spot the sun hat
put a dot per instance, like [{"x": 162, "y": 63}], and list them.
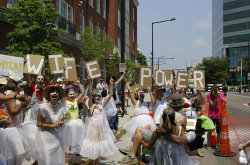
[
  {"x": 176, "y": 100},
  {"x": 3, "y": 80},
  {"x": 46, "y": 92}
]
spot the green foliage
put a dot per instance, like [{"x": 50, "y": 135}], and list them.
[
  {"x": 96, "y": 46},
  {"x": 244, "y": 66},
  {"x": 141, "y": 58},
  {"x": 35, "y": 31},
  {"x": 216, "y": 71},
  {"x": 131, "y": 68}
]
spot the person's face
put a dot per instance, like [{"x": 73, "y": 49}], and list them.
[
  {"x": 40, "y": 81},
  {"x": 141, "y": 96},
  {"x": 189, "y": 93},
  {"x": 54, "y": 97},
  {"x": 215, "y": 91},
  {"x": 71, "y": 94},
  {"x": 97, "y": 100},
  {"x": 159, "y": 94}
]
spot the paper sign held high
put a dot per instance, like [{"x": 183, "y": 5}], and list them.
[
  {"x": 56, "y": 63},
  {"x": 93, "y": 69},
  {"x": 199, "y": 79},
  {"x": 145, "y": 79},
  {"x": 34, "y": 64},
  {"x": 182, "y": 79}
]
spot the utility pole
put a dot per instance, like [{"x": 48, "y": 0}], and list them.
[{"x": 122, "y": 48}]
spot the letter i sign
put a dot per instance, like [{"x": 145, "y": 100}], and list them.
[{"x": 122, "y": 67}]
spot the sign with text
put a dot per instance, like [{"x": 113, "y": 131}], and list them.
[
  {"x": 122, "y": 67},
  {"x": 56, "y": 63},
  {"x": 11, "y": 63},
  {"x": 169, "y": 79},
  {"x": 199, "y": 79},
  {"x": 70, "y": 70},
  {"x": 34, "y": 64},
  {"x": 159, "y": 77},
  {"x": 182, "y": 79},
  {"x": 145, "y": 79},
  {"x": 93, "y": 69}
]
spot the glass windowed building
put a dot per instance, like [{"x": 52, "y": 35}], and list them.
[{"x": 231, "y": 29}]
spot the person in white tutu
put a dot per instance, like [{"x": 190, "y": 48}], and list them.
[
  {"x": 73, "y": 129},
  {"x": 99, "y": 139},
  {"x": 141, "y": 112},
  {"x": 49, "y": 138},
  {"x": 167, "y": 151}
]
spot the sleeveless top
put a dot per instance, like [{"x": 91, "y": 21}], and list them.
[
  {"x": 141, "y": 108},
  {"x": 72, "y": 112}
]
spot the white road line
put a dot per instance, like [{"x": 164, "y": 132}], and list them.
[{"x": 239, "y": 95}]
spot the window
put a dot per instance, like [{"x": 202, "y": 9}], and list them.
[
  {"x": 70, "y": 13},
  {"x": 119, "y": 18},
  {"x": 91, "y": 3},
  {"x": 81, "y": 22},
  {"x": 98, "y": 30},
  {"x": 98, "y": 6},
  {"x": 65, "y": 10},
  {"x": 104, "y": 9},
  {"x": 90, "y": 22},
  {"x": 119, "y": 46},
  {"x": 11, "y": 2}
]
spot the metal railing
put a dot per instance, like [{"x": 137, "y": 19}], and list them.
[{"x": 63, "y": 23}]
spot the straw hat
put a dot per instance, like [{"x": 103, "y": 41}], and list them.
[
  {"x": 176, "y": 101},
  {"x": 3, "y": 80},
  {"x": 60, "y": 90}
]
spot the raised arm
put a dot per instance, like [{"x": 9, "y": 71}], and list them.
[
  {"x": 82, "y": 90},
  {"x": 151, "y": 96},
  {"x": 133, "y": 100},
  {"x": 28, "y": 79},
  {"x": 120, "y": 79},
  {"x": 90, "y": 92},
  {"x": 11, "y": 106},
  {"x": 105, "y": 102}
]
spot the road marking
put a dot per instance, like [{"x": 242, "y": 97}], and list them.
[{"x": 239, "y": 95}]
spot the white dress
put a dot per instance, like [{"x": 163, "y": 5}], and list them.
[
  {"x": 141, "y": 118},
  {"x": 99, "y": 140},
  {"x": 110, "y": 109},
  {"x": 189, "y": 109},
  {"x": 49, "y": 140},
  {"x": 159, "y": 112},
  {"x": 170, "y": 153},
  {"x": 158, "y": 103}
]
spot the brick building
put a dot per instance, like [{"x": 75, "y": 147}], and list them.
[{"x": 75, "y": 15}]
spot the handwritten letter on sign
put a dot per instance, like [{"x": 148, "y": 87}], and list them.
[
  {"x": 11, "y": 63},
  {"x": 169, "y": 77},
  {"x": 159, "y": 77},
  {"x": 145, "y": 76},
  {"x": 70, "y": 71},
  {"x": 182, "y": 79},
  {"x": 199, "y": 79},
  {"x": 93, "y": 69},
  {"x": 56, "y": 63},
  {"x": 34, "y": 64}
]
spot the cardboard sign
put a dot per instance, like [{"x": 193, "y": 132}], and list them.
[
  {"x": 70, "y": 71},
  {"x": 34, "y": 64},
  {"x": 182, "y": 79},
  {"x": 169, "y": 79},
  {"x": 159, "y": 77},
  {"x": 199, "y": 79},
  {"x": 145, "y": 79},
  {"x": 56, "y": 63},
  {"x": 93, "y": 69},
  {"x": 11, "y": 63}
]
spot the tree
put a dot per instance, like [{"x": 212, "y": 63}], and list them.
[
  {"x": 35, "y": 31},
  {"x": 141, "y": 58},
  {"x": 244, "y": 66},
  {"x": 96, "y": 46},
  {"x": 216, "y": 69}
]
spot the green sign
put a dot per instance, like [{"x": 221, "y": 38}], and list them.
[
  {"x": 241, "y": 79},
  {"x": 201, "y": 67}
]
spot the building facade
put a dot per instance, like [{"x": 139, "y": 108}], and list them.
[
  {"x": 76, "y": 15},
  {"x": 235, "y": 32}
]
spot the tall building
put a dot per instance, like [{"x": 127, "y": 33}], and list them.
[
  {"x": 75, "y": 15},
  {"x": 231, "y": 22}
]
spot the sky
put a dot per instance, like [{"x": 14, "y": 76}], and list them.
[{"x": 187, "y": 38}]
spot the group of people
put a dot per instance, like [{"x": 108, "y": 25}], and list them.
[{"x": 43, "y": 123}]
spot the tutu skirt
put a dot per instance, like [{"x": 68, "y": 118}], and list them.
[
  {"x": 50, "y": 147},
  {"x": 73, "y": 134},
  {"x": 141, "y": 121},
  {"x": 99, "y": 140}
]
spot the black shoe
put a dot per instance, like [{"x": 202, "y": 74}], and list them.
[
  {"x": 144, "y": 160},
  {"x": 122, "y": 114}
]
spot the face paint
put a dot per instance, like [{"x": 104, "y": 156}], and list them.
[
  {"x": 71, "y": 94},
  {"x": 54, "y": 95}
]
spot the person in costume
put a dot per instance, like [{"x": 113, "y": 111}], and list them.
[
  {"x": 73, "y": 129},
  {"x": 50, "y": 117},
  {"x": 141, "y": 112},
  {"x": 99, "y": 140},
  {"x": 167, "y": 151}
]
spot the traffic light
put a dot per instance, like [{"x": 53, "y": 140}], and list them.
[{"x": 238, "y": 68}]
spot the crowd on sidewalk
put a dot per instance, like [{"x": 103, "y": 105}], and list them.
[{"x": 45, "y": 121}]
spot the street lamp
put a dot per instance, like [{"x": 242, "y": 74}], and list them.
[{"x": 172, "y": 19}]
